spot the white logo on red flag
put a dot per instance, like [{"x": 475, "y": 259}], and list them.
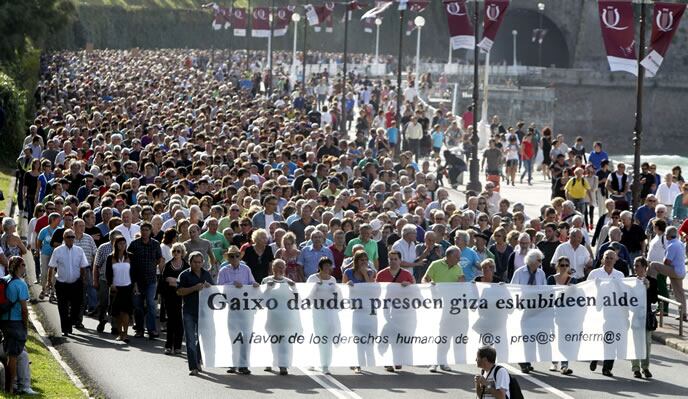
[
  {"x": 611, "y": 18},
  {"x": 667, "y": 17},
  {"x": 494, "y": 14},
  {"x": 616, "y": 17}
]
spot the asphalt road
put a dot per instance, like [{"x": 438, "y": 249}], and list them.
[{"x": 141, "y": 370}]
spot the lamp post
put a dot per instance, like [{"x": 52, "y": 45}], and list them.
[
  {"x": 295, "y": 18},
  {"x": 474, "y": 167},
  {"x": 378, "y": 22},
  {"x": 541, "y": 8},
  {"x": 344, "y": 75},
  {"x": 419, "y": 21},
  {"x": 400, "y": 64},
  {"x": 272, "y": 31},
  {"x": 514, "y": 33},
  {"x": 638, "y": 128},
  {"x": 303, "y": 71}
]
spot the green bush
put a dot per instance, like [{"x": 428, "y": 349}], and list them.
[{"x": 12, "y": 102}]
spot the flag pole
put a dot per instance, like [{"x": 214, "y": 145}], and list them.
[
  {"x": 474, "y": 167},
  {"x": 248, "y": 23},
  {"x": 400, "y": 63},
  {"x": 346, "y": 40},
  {"x": 638, "y": 129},
  {"x": 303, "y": 70},
  {"x": 271, "y": 15}
]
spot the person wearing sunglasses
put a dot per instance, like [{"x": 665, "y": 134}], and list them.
[
  {"x": 68, "y": 265},
  {"x": 563, "y": 276}
]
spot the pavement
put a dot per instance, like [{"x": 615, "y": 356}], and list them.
[{"x": 112, "y": 369}]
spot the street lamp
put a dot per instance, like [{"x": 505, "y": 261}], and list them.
[
  {"x": 378, "y": 22},
  {"x": 474, "y": 166},
  {"x": 541, "y": 8},
  {"x": 269, "y": 86},
  {"x": 419, "y": 21},
  {"x": 295, "y": 18},
  {"x": 515, "y": 34}
]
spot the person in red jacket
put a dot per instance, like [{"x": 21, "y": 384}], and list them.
[{"x": 527, "y": 156}]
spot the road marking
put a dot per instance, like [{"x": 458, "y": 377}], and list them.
[
  {"x": 333, "y": 386},
  {"x": 544, "y": 385}
]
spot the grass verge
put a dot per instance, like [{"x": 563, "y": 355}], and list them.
[
  {"x": 47, "y": 377},
  {"x": 5, "y": 180}
]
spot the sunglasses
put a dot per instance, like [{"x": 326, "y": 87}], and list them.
[
  {"x": 564, "y": 265},
  {"x": 69, "y": 237},
  {"x": 232, "y": 256},
  {"x": 244, "y": 225},
  {"x": 177, "y": 251}
]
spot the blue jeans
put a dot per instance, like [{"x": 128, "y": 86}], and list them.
[
  {"x": 528, "y": 169},
  {"x": 193, "y": 349},
  {"x": 147, "y": 294}
]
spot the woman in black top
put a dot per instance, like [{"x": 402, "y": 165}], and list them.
[
  {"x": 259, "y": 256},
  {"x": 31, "y": 187},
  {"x": 172, "y": 301}
]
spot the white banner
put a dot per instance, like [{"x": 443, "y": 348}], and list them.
[{"x": 385, "y": 324}]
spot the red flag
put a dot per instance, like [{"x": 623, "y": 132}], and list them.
[
  {"x": 665, "y": 20},
  {"x": 418, "y": 5},
  {"x": 616, "y": 21},
  {"x": 261, "y": 22},
  {"x": 318, "y": 15},
  {"x": 282, "y": 20},
  {"x": 239, "y": 21},
  {"x": 494, "y": 15},
  {"x": 460, "y": 29},
  {"x": 221, "y": 16}
]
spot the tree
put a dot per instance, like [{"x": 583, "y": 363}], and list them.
[{"x": 27, "y": 23}]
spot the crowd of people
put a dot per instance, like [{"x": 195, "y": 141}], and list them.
[{"x": 147, "y": 177}]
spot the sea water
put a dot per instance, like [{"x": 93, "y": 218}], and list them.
[{"x": 664, "y": 162}]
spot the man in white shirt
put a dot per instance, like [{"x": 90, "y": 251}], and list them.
[
  {"x": 606, "y": 272},
  {"x": 406, "y": 245},
  {"x": 530, "y": 274},
  {"x": 68, "y": 264},
  {"x": 577, "y": 253},
  {"x": 667, "y": 192},
  {"x": 129, "y": 230}
]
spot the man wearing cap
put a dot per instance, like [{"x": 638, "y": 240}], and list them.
[{"x": 332, "y": 189}]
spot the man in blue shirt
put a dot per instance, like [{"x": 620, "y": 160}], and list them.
[
  {"x": 311, "y": 254},
  {"x": 15, "y": 327},
  {"x": 646, "y": 212},
  {"x": 674, "y": 266}
]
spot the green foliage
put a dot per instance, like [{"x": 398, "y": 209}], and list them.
[
  {"x": 27, "y": 22},
  {"x": 12, "y": 102}
]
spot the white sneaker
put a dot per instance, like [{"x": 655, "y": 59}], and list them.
[
  {"x": 444, "y": 367},
  {"x": 554, "y": 367},
  {"x": 28, "y": 391},
  {"x": 433, "y": 368}
]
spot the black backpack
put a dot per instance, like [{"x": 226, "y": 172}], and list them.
[{"x": 514, "y": 386}]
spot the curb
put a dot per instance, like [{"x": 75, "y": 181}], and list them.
[
  {"x": 671, "y": 341},
  {"x": 39, "y": 326}
]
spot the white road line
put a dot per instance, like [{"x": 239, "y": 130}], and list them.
[
  {"x": 333, "y": 386},
  {"x": 544, "y": 385}
]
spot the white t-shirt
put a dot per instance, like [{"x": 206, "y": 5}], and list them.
[
  {"x": 120, "y": 274},
  {"x": 501, "y": 382},
  {"x": 601, "y": 274},
  {"x": 657, "y": 249},
  {"x": 315, "y": 278}
]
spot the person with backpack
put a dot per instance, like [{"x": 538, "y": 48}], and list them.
[
  {"x": 494, "y": 381},
  {"x": 14, "y": 319}
]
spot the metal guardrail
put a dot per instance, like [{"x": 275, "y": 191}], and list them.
[{"x": 680, "y": 312}]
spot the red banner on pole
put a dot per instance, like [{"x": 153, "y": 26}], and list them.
[
  {"x": 665, "y": 21},
  {"x": 460, "y": 29},
  {"x": 494, "y": 15},
  {"x": 239, "y": 21},
  {"x": 282, "y": 20},
  {"x": 616, "y": 21},
  {"x": 261, "y": 22}
]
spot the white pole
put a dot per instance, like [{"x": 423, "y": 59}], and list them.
[
  {"x": 418, "y": 58},
  {"x": 449, "y": 60},
  {"x": 456, "y": 93},
  {"x": 377, "y": 44},
  {"x": 293, "y": 53},
  {"x": 485, "y": 87},
  {"x": 515, "y": 34},
  {"x": 269, "y": 51}
]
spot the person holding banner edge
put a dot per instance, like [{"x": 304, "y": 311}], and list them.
[{"x": 191, "y": 281}]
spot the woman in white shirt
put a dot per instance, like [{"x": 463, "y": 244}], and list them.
[
  {"x": 118, "y": 274},
  {"x": 324, "y": 274}
]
